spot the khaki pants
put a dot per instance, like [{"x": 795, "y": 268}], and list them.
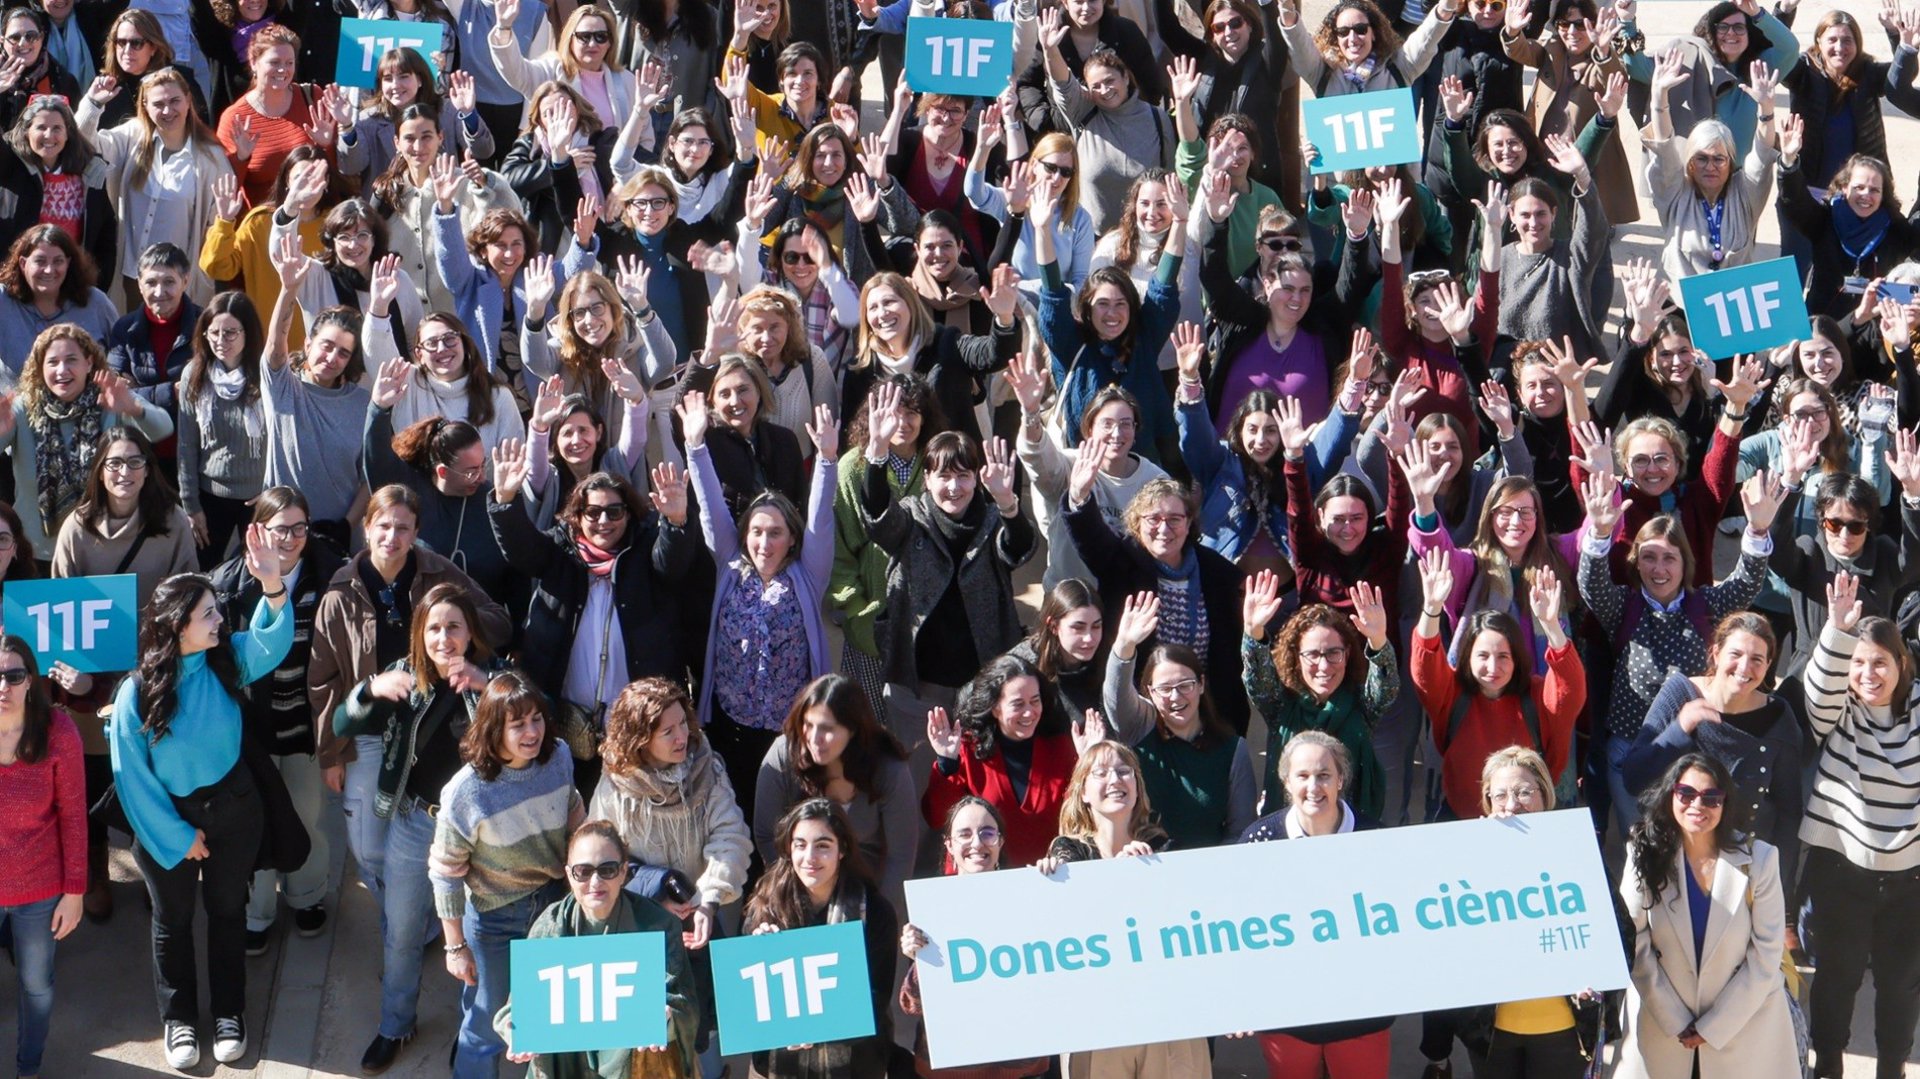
[{"x": 1163, "y": 1060}]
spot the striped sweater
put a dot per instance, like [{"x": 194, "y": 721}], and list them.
[
  {"x": 500, "y": 840},
  {"x": 1862, "y": 804}
]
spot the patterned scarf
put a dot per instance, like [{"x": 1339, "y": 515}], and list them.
[
  {"x": 62, "y": 462},
  {"x": 599, "y": 562}
]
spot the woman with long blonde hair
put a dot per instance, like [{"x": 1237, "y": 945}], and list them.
[
  {"x": 898, "y": 335},
  {"x": 1511, "y": 538}
]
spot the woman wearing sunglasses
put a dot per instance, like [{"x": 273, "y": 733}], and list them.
[
  {"x": 583, "y": 60},
  {"x": 597, "y": 870},
  {"x": 499, "y": 844},
  {"x": 360, "y": 628},
  {"x": 1355, "y": 50},
  {"x": 1708, "y": 997},
  {"x": 1863, "y": 866}
]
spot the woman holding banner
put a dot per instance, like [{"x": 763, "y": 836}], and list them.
[
  {"x": 1708, "y": 998},
  {"x": 820, "y": 878},
  {"x": 1315, "y": 770}
]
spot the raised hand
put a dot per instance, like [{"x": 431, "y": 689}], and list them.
[
  {"x": 1603, "y": 509},
  {"x": 1793, "y": 132},
  {"x": 1545, "y": 598},
  {"x": 669, "y": 494},
  {"x": 1843, "y": 602},
  {"x": 1453, "y": 311},
  {"x": 383, "y": 286},
  {"x": 116, "y": 394},
  {"x": 586, "y": 218},
  {"x": 263, "y": 563},
  {"x": 391, "y": 385},
  {"x": 1088, "y": 731},
  {"x": 1799, "y": 449},
  {"x": 943, "y": 735},
  {"x": 1763, "y": 81},
  {"x": 1614, "y": 97},
  {"x": 1189, "y": 350},
  {"x": 1003, "y": 299},
  {"x": 1493, "y": 212},
  {"x": 289, "y": 260},
  {"x": 1593, "y": 448},
  {"x": 1369, "y": 614},
  {"x": 243, "y": 138},
  {"x": 1086, "y": 466},
  {"x": 1053, "y": 28},
  {"x": 1519, "y": 17},
  {"x": 1360, "y": 355},
  {"x": 1184, "y": 77},
  {"x": 1455, "y": 98},
  {"x": 538, "y": 279},
  {"x": 549, "y": 405},
  {"x": 103, "y": 89},
  {"x": 1425, "y": 476},
  {"x": 1292, "y": 424},
  {"x": 1669, "y": 70},
  {"x": 227, "y": 203},
  {"x": 1139, "y": 620},
  {"x": 1436, "y": 580},
  {"x": 1894, "y": 330},
  {"x": 1497, "y": 405},
  {"x": 846, "y": 118},
  {"x": 1903, "y": 461},
  {"x": 1565, "y": 157},
  {"x": 1393, "y": 203},
  {"x": 510, "y": 465},
  {"x": 626, "y": 385},
  {"x": 444, "y": 176},
  {"x": 825, "y": 433},
  {"x": 1746, "y": 384},
  {"x": 761, "y": 200},
  {"x": 863, "y": 198},
  {"x": 1027, "y": 377},
  {"x": 460, "y": 91},
  {"x": 997, "y": 474},
  {"x": 1261, "y": 603},
  {"x": 1762, "y": 495},
  {"x": 694, "y": 418},
  {"x": 884, "y": 420},
  {"x": 1357, "y": 214}
]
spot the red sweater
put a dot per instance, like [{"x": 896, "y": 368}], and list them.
[
  {"x": 274, "y": 138},
  {"x": 1321, "y": 572},
  {"x": 1033, "y": 821},
  {"x": 1493, "y": 725},
  {"x": 1449, "y": 389},
  {"x": 43, "y": 821}
]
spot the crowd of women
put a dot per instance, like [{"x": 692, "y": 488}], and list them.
[{"x": 595, "y": 462}]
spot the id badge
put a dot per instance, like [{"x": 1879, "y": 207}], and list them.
[{"x": 1854, "y": 285}]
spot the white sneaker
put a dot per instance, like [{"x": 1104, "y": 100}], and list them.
[
  {"x": 183, "y": 1045},
  {"x": 229, "y": 1040}
]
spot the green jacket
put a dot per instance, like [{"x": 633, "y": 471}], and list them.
[
  {"x": 858, "y": 586},
  {"x": 1346, "y": 715}
]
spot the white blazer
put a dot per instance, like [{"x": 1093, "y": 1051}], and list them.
[{"x": 1735, "y": 996}]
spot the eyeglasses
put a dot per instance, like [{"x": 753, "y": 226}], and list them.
[
  {"x": 283, "y": 533},
  {"x": 596, "y": 309},
  {"x": 795, "y": 258},
  {"x": 15, "y": 676},
  {"x": 1816, "y": 413},
  {"x": 1065, "y": 172},
  {"x": 1711, "y": 798},
  {"x": 1114, "y": 426},
  {"x": 1280, "y": 244},
  {"x": 1117, "y": 771},
  {"x": 614, "y": 512},
  {"x": 951, "y": 114},
  {"x": 24, "y": 37},
  {"x": 688, "y": 142},
  {"x": 1353, "y": 31},
  {"x": 470, "y": 474},
  {"x": 1837, "y": 525},
  {"x": 1324, "y": 655},
  {"x": 1570, "y": 24},
  {"x": 446, "y": 342},
  {"x": 582, "y": 872},
  {"x": 1730, "y": 28},
  {"x": 592, "y": 37},
  {"x": 1175, "y": 689},
  {"x": 1642, "y": 461},
  {"x": 6, "y": 541},
  {"x": 124, "y": 464},
  {"x": 1513, "y": 513},
  {"x": 131, "y": 43},
  {"x": 223, "y": 335},
  {"x": 1164, "y": 520},
  {"x": 1379, "y": 389},
  {"x": 1525, "y": 792},
  {"x": 650, "y": 204},
  {"x": 1718, "y": 161},
  {"x": 1488, "y": 5},
  {"x": 988, "y": 836}
]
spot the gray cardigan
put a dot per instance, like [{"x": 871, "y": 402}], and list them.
[{"x": 886, "y": 822}]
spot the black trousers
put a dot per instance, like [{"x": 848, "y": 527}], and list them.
[
  {"x": 1863, "y": 919},
  {"x": 225, "y": 516},
  {"x": 741, "y": 749},
  {"x": 1533, "y": 1056},
  {"x": 504, "y": 122},
  {"x": 229, "y": 813}
]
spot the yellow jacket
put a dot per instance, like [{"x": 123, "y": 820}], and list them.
[{"x": 236, "y": 256}]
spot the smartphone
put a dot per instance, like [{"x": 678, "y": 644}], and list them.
[{"x": 1897, "y": 292}]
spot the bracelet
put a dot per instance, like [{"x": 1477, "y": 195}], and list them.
[
  {"x": 275, "y": 595},
  {"x": 1767, "y": 119},
  {"x": 1737, "y": 417},
  {"x": 1432, "y": 614},
  {"x": 455, "y": 949}
]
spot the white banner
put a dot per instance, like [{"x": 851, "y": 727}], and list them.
[{"x": 1133, "y": 951}]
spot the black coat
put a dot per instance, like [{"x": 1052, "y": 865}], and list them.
[
  {"x": 121, "y": 108},
  {"x": 1831, "y": 265},
  {"x": 549, "y": 192},
  {"x": 1121, "y": 567},
  {"x": 59, "y": 83},
  {"x": 154, "y": 368},
  {"x": 291, "y": 730},
  {"x": 22, "y": 190},
  {"x": 650, "y": 588},
  {"x": 951, "y": 362}
]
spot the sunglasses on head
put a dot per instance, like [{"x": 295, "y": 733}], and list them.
[
  {"x": 1711, "y": 798},
  {"x": 1835, "y": 526},
  {"x": 581, "y": 872},
  {"x": 592, "y": 37}
]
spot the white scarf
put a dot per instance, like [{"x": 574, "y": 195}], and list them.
[{"x": 228, "y": 384}]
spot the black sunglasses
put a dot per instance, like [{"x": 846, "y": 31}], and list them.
[
  {"x": 615, "y": 512},
  {"x": 1712, "y": 797},
  {"x": 592, "y": 37},
  {"x": 1280, "y": 244},
  {"x": 795, "y": 258},
  {"x": 15, "y": 676}
]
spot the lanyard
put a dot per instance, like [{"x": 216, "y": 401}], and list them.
[{"x": 1715, "y": 213}]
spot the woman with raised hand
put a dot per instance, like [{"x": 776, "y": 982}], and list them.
[
  {"x": 1125, "y": 29},
  {"x": 749, "y": 452},
  {"x": 599, "y": 866},
  {"x": 567, "y": 441},
  {"x": 368, "y": 136},
  {"x": 449, "y": 375},
  {"x": 974, "y": 839},
  {"x": 425, "y": 184},
  {"x": 355, "y": 250},
  {"x": 1109, "y": 814},
  {"x": 832, "y": 745},
  {"x": 276, "y": 113},
  {"x": 1355, "y": 50},
  {"x": 1200, "y": 772},
  {"x": 1712, "y": 74},
  {"x": 1862, "y": 818},
  {"x": 1700, "y": 886},
  {"x": 767, "y": 639},
  {"x": 561, "y": 166},
  {"x": 772, "y": 328},
  {"x": 44, "y": 835},
  {"x": 1110, "y": 420},
  {"x": 1051, "y": 169},
  {"x": 66, "y": 399},
  {"x": 1491, "y": 698},
  {"x": 1657, "y": 373},
  {"x": 1546, "y": 284},
  {"x": 610, "y": 584},
  {"x": 1139, "y": 240},
  {"x": 1660, "y": 620},
  {"x": 898, "y": 335},
  {"x": 1709, "y": 196},
  {"x": 1336, "y": 543},
  {"x": 583, "y": 60},
  {"x": 136, "y": 46},
  {"x": 1157, "y": 550},
  {"x": 418, "y": 707},
  {"x": 181, "y": 771},
  {"x": 1310, "y": 794},
  {"x": 30, "y": 70},
  {"x": 499, "y": 850},
  {"x": 820, "y": 878},
  {"x": 1325, "y": 671},
  {"x": 1119, "y": 133},
  {"x": 1576, "y": 61},
  {"x": 1853, "y": 226},
  {"x": 594, "y": 318},
  {"x": 159, "y": 194}
]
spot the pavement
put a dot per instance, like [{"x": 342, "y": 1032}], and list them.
[{"x": 315, "y": 1002}]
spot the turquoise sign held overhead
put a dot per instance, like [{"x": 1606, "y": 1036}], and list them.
[
  {"x": 1748, "y": 308},
  {"x": 364, "y": 41},
  {"x": 91, "y": 624},
  {"x": 580, "y": 994},
  {"x": 970, "y": 57},
  {"x": 800, "y": 987},
  {"x": 1357, "y": 131}
]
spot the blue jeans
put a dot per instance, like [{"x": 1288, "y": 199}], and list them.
[
  {"x": 407, "y": 902},
  {"x": 490, "y": 935},
  {"x": 32, "y": 926},
  {"x": 1626, "y": 803},
  {"x": 366, "y": 832}
]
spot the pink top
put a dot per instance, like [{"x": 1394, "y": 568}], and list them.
[
  {"x": 43, "y": 821},
  {"x": 1466, "y": 570}
]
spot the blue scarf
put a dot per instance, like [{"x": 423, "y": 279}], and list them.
[{"x": 1858, "y": 235}]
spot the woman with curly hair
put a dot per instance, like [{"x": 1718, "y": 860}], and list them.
[
  {"x": 242, "y": 20},
  {"x": 136, "y": 46},
  {"x": 50, "y": 174},
  {"x": 66, "y": 399},
  {"x": 180, "y": 769},
  {"x": 833, "y": 746},
  {"x": 1321, "y": 673},
  {"x": 48, "y": 280},
  {"x": 1698, "y": 885},
  {"x": 1713, "y": 70},
  {"x": 1355, "y": 49},
  {"x": 354, "y": 240},
  {"x": 485, "y": 270}
]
